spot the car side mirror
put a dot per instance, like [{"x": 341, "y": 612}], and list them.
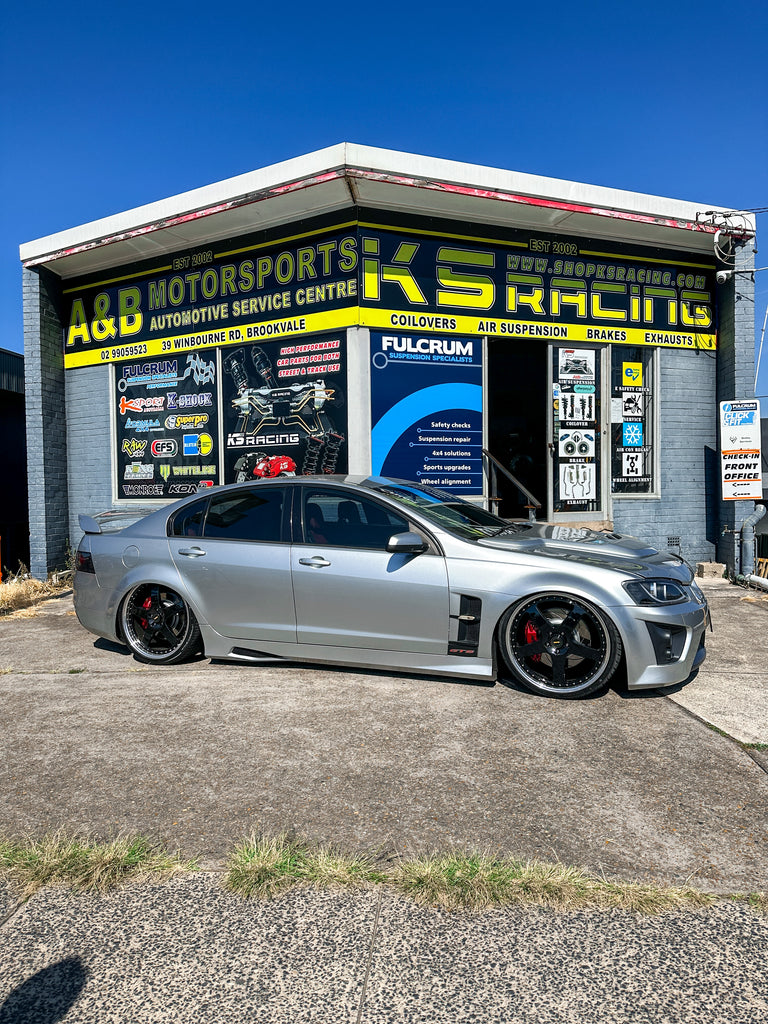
[{"x": 406, "y": 544}]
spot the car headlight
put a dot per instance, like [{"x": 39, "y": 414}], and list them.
[{"x": 655, "y": 591}]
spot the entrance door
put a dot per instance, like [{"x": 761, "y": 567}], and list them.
[{"x": 518, "y": 407}]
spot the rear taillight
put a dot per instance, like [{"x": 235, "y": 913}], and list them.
[{"x": 84, "y": 562}]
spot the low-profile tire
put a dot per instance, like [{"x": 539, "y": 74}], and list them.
[
  {"x": 559, "y": 646},
  {"x": 158, "y": 625}
]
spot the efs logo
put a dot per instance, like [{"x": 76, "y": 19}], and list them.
[{"x": 164, "y": 448}]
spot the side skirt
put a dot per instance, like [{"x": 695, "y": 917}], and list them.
[{"x": 217, "y": 646}]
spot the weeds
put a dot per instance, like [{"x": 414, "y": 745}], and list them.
[
  {"x": 264, "y": 866},
  {"x": 475, "y": 882},
  {"x": 84, "y": 864},
  {"x": 20, "y": 591}
]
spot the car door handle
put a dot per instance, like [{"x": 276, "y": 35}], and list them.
[
  {"x": 191, "y": 552},
  {"x": 316, "y": 562}
]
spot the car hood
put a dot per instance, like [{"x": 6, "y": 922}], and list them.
[{"x": 591, "y": 547}]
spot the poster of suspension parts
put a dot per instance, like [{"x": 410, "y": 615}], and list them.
[
  {"x": 166, "y": 426},
  {"x": 576, "y": 430},
  {"x": 284, "y": 408}
]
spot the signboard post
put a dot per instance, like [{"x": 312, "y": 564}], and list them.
[{"x": 740, "y": 451}]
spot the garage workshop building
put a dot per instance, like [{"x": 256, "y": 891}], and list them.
[{"x": 373, "y": 312}]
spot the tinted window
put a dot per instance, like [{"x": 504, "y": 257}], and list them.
[
  {"x": 254, "y": 514},
  {"x": 343, "y": 519},
  {"x": 188, "y": 521}
]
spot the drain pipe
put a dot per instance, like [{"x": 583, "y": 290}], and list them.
[{"x": 748, "y": 546}]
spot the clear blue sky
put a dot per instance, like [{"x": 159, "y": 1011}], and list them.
[{"x": 108, "y": 106}]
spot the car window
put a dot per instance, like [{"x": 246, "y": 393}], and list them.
[
  {"x": 342, "y": 519},
  {"x": 188, "y": 521},
  {"x": 255, "y": 514}
]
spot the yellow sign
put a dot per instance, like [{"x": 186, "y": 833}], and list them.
[{"x": 632, "y": 375}]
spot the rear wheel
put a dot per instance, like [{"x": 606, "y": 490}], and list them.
[
  {"x": 559, "y": 645},
  {"x": 158, "y": 625}
]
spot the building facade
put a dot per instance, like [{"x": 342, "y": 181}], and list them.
[{"x": 364, "y": 311}]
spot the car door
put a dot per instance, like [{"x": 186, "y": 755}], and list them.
[
  {"x": 235, "y": 558},
  {"x": 349, "y": 591}
]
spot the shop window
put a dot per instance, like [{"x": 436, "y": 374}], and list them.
[{"x": 633, "y": 383}]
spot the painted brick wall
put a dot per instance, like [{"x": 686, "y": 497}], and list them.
[
  {"x": 688, "y": 439},
  {"x": 692, "y": 386},
  {"x": 46, "y": 424},
  {"x": 88, "y": 435}
]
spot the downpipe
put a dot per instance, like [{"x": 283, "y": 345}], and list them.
[{"x": 748, "y": 540}]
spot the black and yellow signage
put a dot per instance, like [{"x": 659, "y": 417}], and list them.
[{"x": 538, "y": 288}]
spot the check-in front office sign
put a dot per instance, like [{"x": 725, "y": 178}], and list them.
[{"x": 740, "y": 460}]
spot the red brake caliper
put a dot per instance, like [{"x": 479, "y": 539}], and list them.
[
  {"x": 147, "y": 604},
  {"x": 531, "y": 637}
]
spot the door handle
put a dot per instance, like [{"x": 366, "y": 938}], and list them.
[
  {"x": 316, "y": 562},
  {"x": 191, "y": 552}
]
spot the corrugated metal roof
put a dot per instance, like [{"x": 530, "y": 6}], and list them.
[{"x": 11, "y": 371}]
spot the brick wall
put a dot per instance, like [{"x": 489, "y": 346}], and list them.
[
  {"x": 46, "y": 424},
  {"x": 691, "y": 387},
  {"x": 88, "y": 435},
  {"x": 688, "y": 440}
]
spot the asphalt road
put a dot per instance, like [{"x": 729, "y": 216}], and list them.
[{"x": 200, "y": 755}]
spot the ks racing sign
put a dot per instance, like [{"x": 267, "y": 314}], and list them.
[{"x": 544, "y": 288}]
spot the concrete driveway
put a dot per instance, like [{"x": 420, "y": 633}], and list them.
[{"x": 200, "y": 755}]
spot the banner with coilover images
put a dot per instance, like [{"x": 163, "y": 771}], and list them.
[
  {"x": 284, "y": 408},
  {"x": 166, "y": 426}
]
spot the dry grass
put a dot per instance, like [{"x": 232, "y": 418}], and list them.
[
  {"x": 475, "y": 882},
  {"x": 21, "y": 594},
  {"x": 265, "y": 866},
  {"x": 84, "y": 864}
]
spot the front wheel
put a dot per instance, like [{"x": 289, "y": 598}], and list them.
[
  {"x": 559, "y": 646},
  {"x": 158, "y": 625}
]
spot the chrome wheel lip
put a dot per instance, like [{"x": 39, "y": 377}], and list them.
[
  {"x": 157, "y": 618},
  {"x": 558, "y": 643}
]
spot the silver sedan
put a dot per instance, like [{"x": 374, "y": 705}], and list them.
[{"x": 380, "y": 573}]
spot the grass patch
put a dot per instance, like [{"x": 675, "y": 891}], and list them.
[
  {"x": 265, "y": 866},
  {"x": 20, "y": 592},
  {"x": 475, "y": 882},
  {"x": 758, "y": 901},
  {"x": 84, "y": 864}
]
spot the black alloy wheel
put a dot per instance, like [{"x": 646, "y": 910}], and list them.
[
  {"x": 559, "y": 646},
  {"x": 158, "y": 625}
]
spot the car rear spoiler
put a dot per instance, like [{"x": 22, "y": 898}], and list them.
[{"x": 88, "y": 524}]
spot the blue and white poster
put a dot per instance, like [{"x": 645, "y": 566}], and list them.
[{"x": 427, "y": 410}]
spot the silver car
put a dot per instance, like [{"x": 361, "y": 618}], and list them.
[{"x": 380, "y": 573}]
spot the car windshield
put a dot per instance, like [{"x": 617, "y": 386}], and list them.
[{"x": 455, "y": 515}]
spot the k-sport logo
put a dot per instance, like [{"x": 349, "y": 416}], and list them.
[
  {"x": 156, "y": 402},
  {"x": 164, "y": 447}
]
